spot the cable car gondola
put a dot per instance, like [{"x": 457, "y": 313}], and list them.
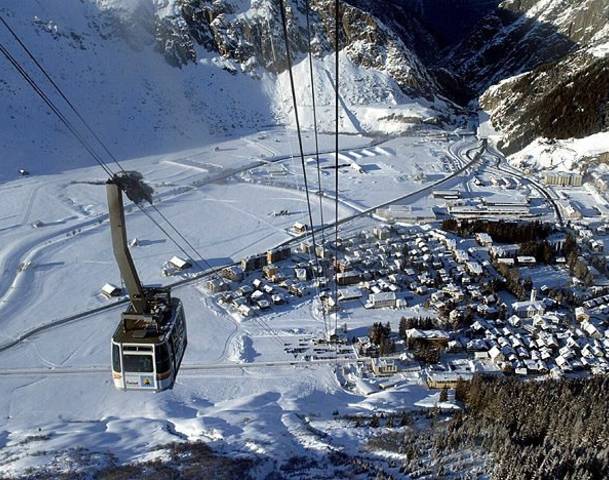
[{"x": 149, "y": 342}]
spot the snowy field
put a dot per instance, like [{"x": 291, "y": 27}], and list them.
[
  {"x": 57, "y": 268},
  {"x": 374, "y": 175}
]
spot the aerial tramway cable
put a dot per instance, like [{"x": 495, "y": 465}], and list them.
[
  {"x": 52, "y": 106},
  {"x": 300, "y": 144},
  {"x": 84, "y": 143},
  {"x": 336, "y": 66},
  {"x": 65, "y": 98},
  {"x": 292, "y": 156},
  {"x": 299, "y": 133},
  {"x": 99, "y": 140},
  {"x": 24, "y": 74},
  {"x": 68, "y": 124},
  {"x": 319, "y": 186},
  {"x": 78, "y": 136}
]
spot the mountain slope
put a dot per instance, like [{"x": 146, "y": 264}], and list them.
[
  {"x": 540, "y": 68},
  {"x": 159, "y": 75},
  {"x": 377, "y": 66},
  {"x": 566, "y": 99},
  {"x": 520, "y": 35}
]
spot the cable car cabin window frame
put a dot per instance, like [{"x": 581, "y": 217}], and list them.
[
  {"x": 140, "y": 356},
  {"x": 162, "y": 365},
  {"x": 137, "y": 348},
  {"x": 116, "y": 358},
  {"x": 178, "y": 338}
]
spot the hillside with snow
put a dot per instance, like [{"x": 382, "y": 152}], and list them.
[
  {"x": 124, "y": 65},
  {"x": 541, "y": 69}
]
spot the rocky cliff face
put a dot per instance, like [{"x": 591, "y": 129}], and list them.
[
  {"x": 536, "y": 65},
  {"x": 540, "y": 68},
  {"x": 523, "y": 34},
  {"x": 561, "y": 100},
  {"x": 250, "y": 37}
]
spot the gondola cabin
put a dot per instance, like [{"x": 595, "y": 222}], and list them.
[
  {"x": 150, "y": 340},
  {"x": 147, "y": 355}
]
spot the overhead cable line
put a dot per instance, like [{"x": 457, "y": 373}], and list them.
[
  {"x": 66, "y": 122},
  {"x": 26, "y": 76},
  {"x": 95, "y": 136},
  {"x": 52, "y": 82},
  {"x": 336, "y": 73},
  {"x": 298, "y": 131},
  {"x": 292, "y": 157},
  {"x": 286, "y": 38},
  {"x": 52, "y": 106},
  {"x": 319, "y": 187}
]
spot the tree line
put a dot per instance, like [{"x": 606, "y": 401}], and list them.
[
  {"x": 544, "y": 430},
  {"x": 501, "y": 231}
]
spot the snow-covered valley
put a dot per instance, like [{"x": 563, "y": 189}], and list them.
[
  {"x": 69, "y": 258},
  {"x": 195, "y": 97}
]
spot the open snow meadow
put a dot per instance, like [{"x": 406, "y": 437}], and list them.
[{"x": 56, "y": 255}]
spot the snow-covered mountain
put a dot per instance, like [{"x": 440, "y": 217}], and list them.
[
  {"x": 561, "y": 100},
  {"x": 161, "y": 75},
  {"x": 541, "y": 68},
  {"x": 520, "y": 35},
  {"x": 153, "y": 75}
]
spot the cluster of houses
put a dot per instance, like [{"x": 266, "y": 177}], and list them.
[
  {"x": 390, "y": 266},
  {"x": 262, "y": 281},
  {"x": 540, "y": 344},
  {"x": 393, "y": 264},
  {"x": 174, "y": 266},
  {"x": 597, "y": 305},
  {"x": 524, "y": 338}
]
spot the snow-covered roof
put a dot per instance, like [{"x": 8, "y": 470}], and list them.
[{"x": 179, "y": 262}]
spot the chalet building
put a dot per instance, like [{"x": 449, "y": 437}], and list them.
[
  {"x": 233, "y": 273},
  {"x": 110, "y": 290},
  {"x": 278, "y": 254},
  {"x": 484, "y": 239},
  {"x": 179, "y": 263},
  {"x": 348, "y": 278},
  {"x": 581, "y": 315},
  {"x": 383, "y": 300},
  {"x": 216, "y": 285},
  {"x": 383, "y": 367},
  {"x": 300, "y": 228},
  {"x": 440, "y": 380},
  {"x": 435, "y": 338},
  {"x": 253, "y": 262}
]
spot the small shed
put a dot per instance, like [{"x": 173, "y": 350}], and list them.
[
  {"x": 300, "y": 228},
  {"x": 179, "y": 263}
]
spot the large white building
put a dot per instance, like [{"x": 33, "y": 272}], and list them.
[
  {"x": 563, "y": 179},
  {"x": 529, "y": 308},
  {"x": 383, "y": 300}
]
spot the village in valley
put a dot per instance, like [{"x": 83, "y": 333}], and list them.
[{"x": 462, "y": 297}]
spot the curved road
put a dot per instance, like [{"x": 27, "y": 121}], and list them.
[{"x": 527, "y": 179}]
